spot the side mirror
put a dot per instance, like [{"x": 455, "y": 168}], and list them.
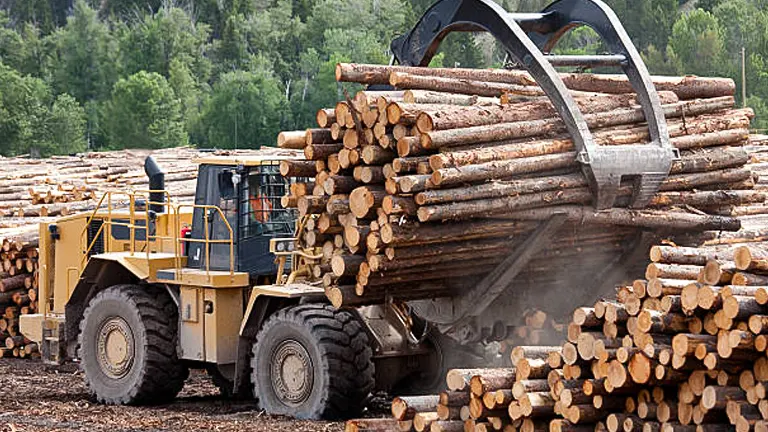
[{"x": 227, "y": 182}]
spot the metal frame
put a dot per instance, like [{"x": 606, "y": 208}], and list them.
[
  {"x": 475, "y": 301},
  {"x": 529, "y": 38}
]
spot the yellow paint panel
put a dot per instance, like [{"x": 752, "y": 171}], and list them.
[
  {"x": 67, "y": 255},
  {"x": 222, "y": 313},
  {"x": 192, "y": 331},
  {"x": 190, "y": 312}
]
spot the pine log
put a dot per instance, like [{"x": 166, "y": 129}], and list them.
[
  {"x": 623, "y": 217},
  {"x": 689, "y": 87},
  {"x": 365, "y": 198},
  {"x": 297, "y": 168},
  {"x": 491, "y": 380},
  {"x": 404, "y": 80},
  {"x": 453, "y": 117},
  {"x": 405, "y": 408},
  {"x": 292, "y": 140},
  {"x": 500, "y": 189},
  {"x": 525, "y": 129}
]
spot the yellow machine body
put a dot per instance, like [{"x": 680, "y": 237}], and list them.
[{"x": 213, "y": 304}]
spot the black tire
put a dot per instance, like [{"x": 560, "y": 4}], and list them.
[
  {"x": 145, "y": 322},
  {"x": 335, "y": 351},
  {"x": 226, "y": 386}
]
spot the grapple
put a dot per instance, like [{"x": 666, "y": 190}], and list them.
[{"x": 529, "y": 39}]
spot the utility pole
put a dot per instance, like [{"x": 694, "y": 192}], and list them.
[{"x": 744, "y": 77}]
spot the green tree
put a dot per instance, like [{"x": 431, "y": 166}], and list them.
[
  {"x": 760, "y": 107},
  {"x": 648, "y": 22},
  {"x": 708, "y": 5},
  {"x": 32, "y": 122},
  {"x": 191, "y": 95},
  {"x": 144, "y": 113},
  {"x": 744, "y": 26},
  {"x": 24, "y": 102},
  {"x": 460, "y": 50},
  {"x": 216, "y": 12},
  {"x": 698, "y": 41},
  {"x": 11, "y": 43},
  {"x": 37, "y": 12},
  {"x": 125, "y": 9},
  {"x": 23, "y": 50},
  {"x": 246, "y": 110},
  {"x": 85, "y": 62},
  {"x": 662, "y": 62},
  {"x": 66, "y": 127},
  {"x": 158, "y": 39}
]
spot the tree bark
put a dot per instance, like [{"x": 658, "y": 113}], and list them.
[
  {"x": 297, "y": 168},
  {"x": 452, "y": 117},
  {"x": 404, "y": 80},
  {"x": 635, "y": 218},
  {"x": 689, "y": 87},
  {"x": 526, "y": 129}
]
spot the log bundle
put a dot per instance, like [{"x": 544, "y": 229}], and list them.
[
  {"x": 419, "y": 192},
  {"x": 682, "y": 349},
  {"x": 18, "y": 293}
]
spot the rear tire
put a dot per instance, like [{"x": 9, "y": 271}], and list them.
[
  {"x": 312, "y": 362},
  {"x": 128, "y": 339}
]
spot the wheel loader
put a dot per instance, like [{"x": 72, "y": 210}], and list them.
[{"x": 143, "y": 289}]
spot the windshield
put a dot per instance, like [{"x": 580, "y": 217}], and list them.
[{"x": 262, "y": 212}]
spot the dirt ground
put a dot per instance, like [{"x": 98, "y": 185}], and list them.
[{"x": 38, "y": 397}]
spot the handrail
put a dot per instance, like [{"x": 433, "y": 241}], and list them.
[
  {"x": 170, "y": 209},
  {"x": 173, "y": 211},
  {"x": 108, "y": 222},
  {"x": 207, "y": 240}
]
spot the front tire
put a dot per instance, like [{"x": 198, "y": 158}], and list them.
[
  {"x": 128, "y": 338},
  {"x": 312, "y": 362}
]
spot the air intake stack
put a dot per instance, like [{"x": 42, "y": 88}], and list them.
[{"x": 156, "y": 185}]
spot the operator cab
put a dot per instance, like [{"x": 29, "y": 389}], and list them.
[{"x": 248, "y": 190}]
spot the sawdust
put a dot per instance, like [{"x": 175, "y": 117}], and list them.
[{"x": 39, "y": 397}]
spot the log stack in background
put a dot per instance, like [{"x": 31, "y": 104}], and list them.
[
  {"x": 62, "y": 185},
  {"x": 420, "y": 192},
  {"x": 18, "y": 292}
]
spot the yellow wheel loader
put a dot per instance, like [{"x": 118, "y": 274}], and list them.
[{"x": 143, "y": 289}]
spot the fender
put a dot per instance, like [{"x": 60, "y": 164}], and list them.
[{"x": 98, "y": 275}]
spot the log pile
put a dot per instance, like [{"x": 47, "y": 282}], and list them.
[
  {"x": 419, "y": 192},
  {"x": 62, "y": 185},
  {"x": 683, "y": 349},
  {"x": 18, "y": 293}
]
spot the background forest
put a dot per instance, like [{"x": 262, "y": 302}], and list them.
[{"x": 112, "y": 74}]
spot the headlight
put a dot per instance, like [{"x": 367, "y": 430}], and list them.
[
  {"x": 291, "y": 246},
  {"x": 280, "y": 247}
]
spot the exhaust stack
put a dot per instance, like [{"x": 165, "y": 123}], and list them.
[{"x": 156, "y": 183}]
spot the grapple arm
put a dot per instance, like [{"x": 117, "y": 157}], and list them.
[{"x": 529, "y": 38}]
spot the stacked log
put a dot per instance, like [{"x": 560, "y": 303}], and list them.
[
  {"x": 682, "y": 349},
  {"x": 63, "y": 185},
  {"x": 536, "y": 328},
  {"x": 418, "y": 193},
  {"x": 19, "y": 281}
]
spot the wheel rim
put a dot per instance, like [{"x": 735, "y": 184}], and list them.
[
  {"x": 292, "y": 373},
  {"x": 115, "y": 347}
]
